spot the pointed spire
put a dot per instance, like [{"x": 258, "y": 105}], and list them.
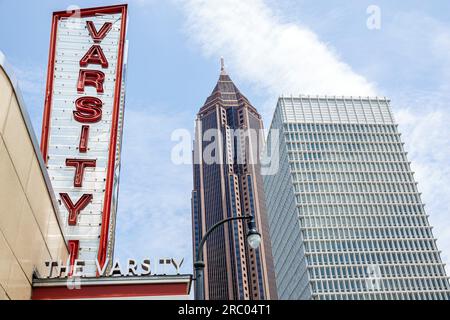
[
  {"x": 222, "y": 66},
  {"x": 225, "y": 90}
]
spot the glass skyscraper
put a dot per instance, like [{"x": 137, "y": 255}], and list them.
[
  {"x": 345, "y": 217},
  {"x": 230, "y": 185}
]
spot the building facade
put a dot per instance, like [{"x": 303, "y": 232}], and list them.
[
  {"x": 345, "y": 216},
  {"x": 30, "y": 231},
  {"x": 226, "y": 187}
]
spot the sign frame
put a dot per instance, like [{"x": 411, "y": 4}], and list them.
[{"x": 109, "y": 185}]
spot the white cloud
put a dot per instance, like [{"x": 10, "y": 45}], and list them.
[
  {"x": 276, "y": 57},
  {"x": 154, "y": 217},
  {"x": 425, "y": 129},
  {"x": 31, "y": 79},
  {"x": 426, "y": 135},
  {"x": 423, "y": 113}
]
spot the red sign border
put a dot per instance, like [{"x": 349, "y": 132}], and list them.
[
  {"x": 128, "y": 290},
  {"x": 106, "y": 214}
]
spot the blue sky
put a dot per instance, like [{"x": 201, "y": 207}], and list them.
[{"x": 271, "y": 47}]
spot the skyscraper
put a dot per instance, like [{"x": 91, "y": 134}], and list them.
[
  {"x": 346, "y": 219},
  {"x": 228, "y": 187}
]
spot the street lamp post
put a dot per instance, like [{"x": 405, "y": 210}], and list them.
[{"x": 253, "y": 239}]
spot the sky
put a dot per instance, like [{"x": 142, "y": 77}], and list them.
[{"x": 271, "y": 48}]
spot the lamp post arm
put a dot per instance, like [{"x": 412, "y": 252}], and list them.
[
  {"x": 214, "y": 227},
  {"x": 199, "y": 265}
]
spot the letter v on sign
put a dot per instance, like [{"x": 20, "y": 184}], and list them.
[{"x": 98, "y": 36}]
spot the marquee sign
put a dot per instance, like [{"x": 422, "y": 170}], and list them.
[
  {"x": 82, "y": 126},
  {"x": 162, "y": 266}
]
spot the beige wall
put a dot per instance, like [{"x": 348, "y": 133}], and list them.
[{"x": 29, "y": 229}]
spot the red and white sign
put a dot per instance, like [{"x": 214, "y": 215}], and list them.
[
  {"x": 82, "y": 125},
  {"x": 123, "y": 288}
]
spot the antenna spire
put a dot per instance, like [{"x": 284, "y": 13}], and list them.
[{"x": 222, "y": 64}]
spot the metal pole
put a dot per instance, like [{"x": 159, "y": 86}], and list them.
[
  {"x": 199, "y": 271},
  {"x": 199, "y": 265}
]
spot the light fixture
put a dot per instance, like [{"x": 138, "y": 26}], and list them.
[
  {"x": 253, "y": 236},
  {"x": 253, "y": 239}
]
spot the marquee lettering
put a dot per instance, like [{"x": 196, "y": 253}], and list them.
[
  {"x": 98, "y": 36},
  {"x": 95, "y": 55},
  {"x": 82, "y": 147},
  {"x": 92, "y": 78},
  {"x": 80, "y": 165},
  {"x": 75, "y": 209},
  {"x": 88, "y": 110}
]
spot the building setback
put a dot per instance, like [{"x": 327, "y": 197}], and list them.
[
  {"x": 225, "y": 189},
  {"x": 30, "y": 227},
  {"x": 345, "y": 216}
]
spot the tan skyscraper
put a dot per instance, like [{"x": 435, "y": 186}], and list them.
[{"x": 229, "y": 186}]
